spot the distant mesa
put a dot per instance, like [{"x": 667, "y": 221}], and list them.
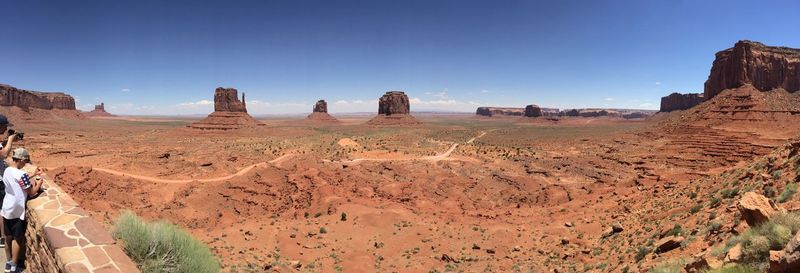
[
  {"x": 532, "y": 111},
  {"x": 99, "y": 111},
  {"x": 229, "y": 112},
  {"x": 499, "y": 111},
  {"x": 750, "y": 83},
  {"x": 747, "y": 62},
  {"x": 511, "y": 111},
  {"x": 678, "y": 101},
  {"x": 32, "y": 105},
  {"x": 394, "y": 109},
  {"x": 320, "y": 113}
]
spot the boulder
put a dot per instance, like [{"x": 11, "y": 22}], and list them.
[
  {"x": 788, "y": 259},
  {"x": 748, "y": 62},
  {"x": 734, "y": 255},
  {"x": 668, "y": 243},
  {"x": 677, "y": 101},
  {"x": 533, "y": 110},
  {"x": 756, "y": 208}
]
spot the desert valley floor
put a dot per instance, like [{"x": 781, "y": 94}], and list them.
[{"x": 458, "y": 193}]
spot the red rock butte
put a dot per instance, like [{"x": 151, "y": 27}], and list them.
[
  {"x": 394, "y": 109},
  {"x": 36, "y": 105},
  {"x": 320, "y": 113},
  {"x": 747, "y": 62},
  {"x": 99, "y": 111},
  {"x": 229, "y": 112},
  {"x": 678, "y": 101},
  {"x": 533, "y": 110}
]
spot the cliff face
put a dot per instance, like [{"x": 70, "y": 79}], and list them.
[
  {"x": 747, "y": 62},
  {"x": 394, "y": 103},
  {"x": 227, "y": 100},
  {"x": 11, "y": 96},
  {"x": 677, "y": 101}
]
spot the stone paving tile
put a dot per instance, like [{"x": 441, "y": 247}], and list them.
[
  {"x": 96, "y": 255},
  {"x": 56, "y": 238},
  {"x": 92, "y": 231}
]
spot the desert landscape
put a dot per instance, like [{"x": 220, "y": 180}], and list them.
[{"x": 401, "y": 192}]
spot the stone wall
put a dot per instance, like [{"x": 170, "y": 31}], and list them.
[{"x": 62, "y": 237}]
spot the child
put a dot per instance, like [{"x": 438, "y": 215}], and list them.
[{"x": 18, "y": 188}]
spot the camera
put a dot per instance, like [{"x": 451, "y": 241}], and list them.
[{"x": 20, "y": 135}]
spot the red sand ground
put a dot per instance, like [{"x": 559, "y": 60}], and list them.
[{"x": 455, "y": 193}]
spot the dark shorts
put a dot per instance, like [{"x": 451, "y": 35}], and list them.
[{"x": 14, "y": 227}]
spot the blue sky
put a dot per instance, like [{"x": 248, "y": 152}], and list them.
[{"x": 167, "y": 57}]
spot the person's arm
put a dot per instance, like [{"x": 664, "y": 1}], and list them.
[
  {"x": 36, "y": 185},
  {"x": 7, "y": 147}
]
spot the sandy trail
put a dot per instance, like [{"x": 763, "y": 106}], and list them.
[
  {"x": 275, "y": 162},
  {"x": 434, "y": 158}
]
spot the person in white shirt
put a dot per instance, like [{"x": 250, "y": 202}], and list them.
[
  {"x": 5, "y": 150},
  {"x": 18, "y": 187}
]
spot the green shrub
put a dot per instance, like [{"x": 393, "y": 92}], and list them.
[
  {"x": 788, "y": 192},
  {"x": 162, "y": 247},
  {"x": 735, "y": 268},
  {"x": 714, "y": 202},
  {"x": 641, "y": 252},
  {"x": 676, "y": 230},
  {"x": 776, "y": 174},
  {"x": 772, "y": 235},
  {"x": 729, "y": 193},
  {"x": 696, "y": 209},
  {"x": 669, "y": 267}
]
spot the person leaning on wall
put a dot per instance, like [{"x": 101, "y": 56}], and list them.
[{"x": 5, "y": 149}]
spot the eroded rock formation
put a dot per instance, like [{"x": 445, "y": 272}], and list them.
[
  {"x": 533, "y": 110},
  {"x": 678, "y": 101},
  {"x": 25, "y": 99},
  {"x": 226, "y": 100},
  {"x": 320, "y": 112},
  {"x": 394, "y": 109},
  {"x": 321, "y": 107},
  {"x": 229, "y": 112},
  {"x": 747, "y": 62},
  {"x": 99, "y": 111}
]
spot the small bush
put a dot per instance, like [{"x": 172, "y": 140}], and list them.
[
  {"x": 735, "y": 268},
  {"x": 729, "y": 193},
  {"x": 676, "y": 230},
  {"x": 714, "y": 202},
  {"x": 696, "y": 209},
  {"x": 788, "y": 192},
  {"x": 772, "y": 235},
  {"x": 162, "y": 247},
  {"x": 714, "y": 227},
  {"x": 641, "y": 252},
  {"x": 344, "y": 217},
  {"x": 776, "y": 175},
  {"x": 669, "y": 267}
]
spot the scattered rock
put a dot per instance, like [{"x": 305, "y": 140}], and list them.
[
  {"x": 564, "y": 241},
  {"x": 668, "y": 243},
  {"x": 616, "y": 227},
  {"x": 569, "y": 224},
  {"x": 788, "y": 259},
  {"x": 756, "y": 208},
  {"x": 734, "y": 254}
]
